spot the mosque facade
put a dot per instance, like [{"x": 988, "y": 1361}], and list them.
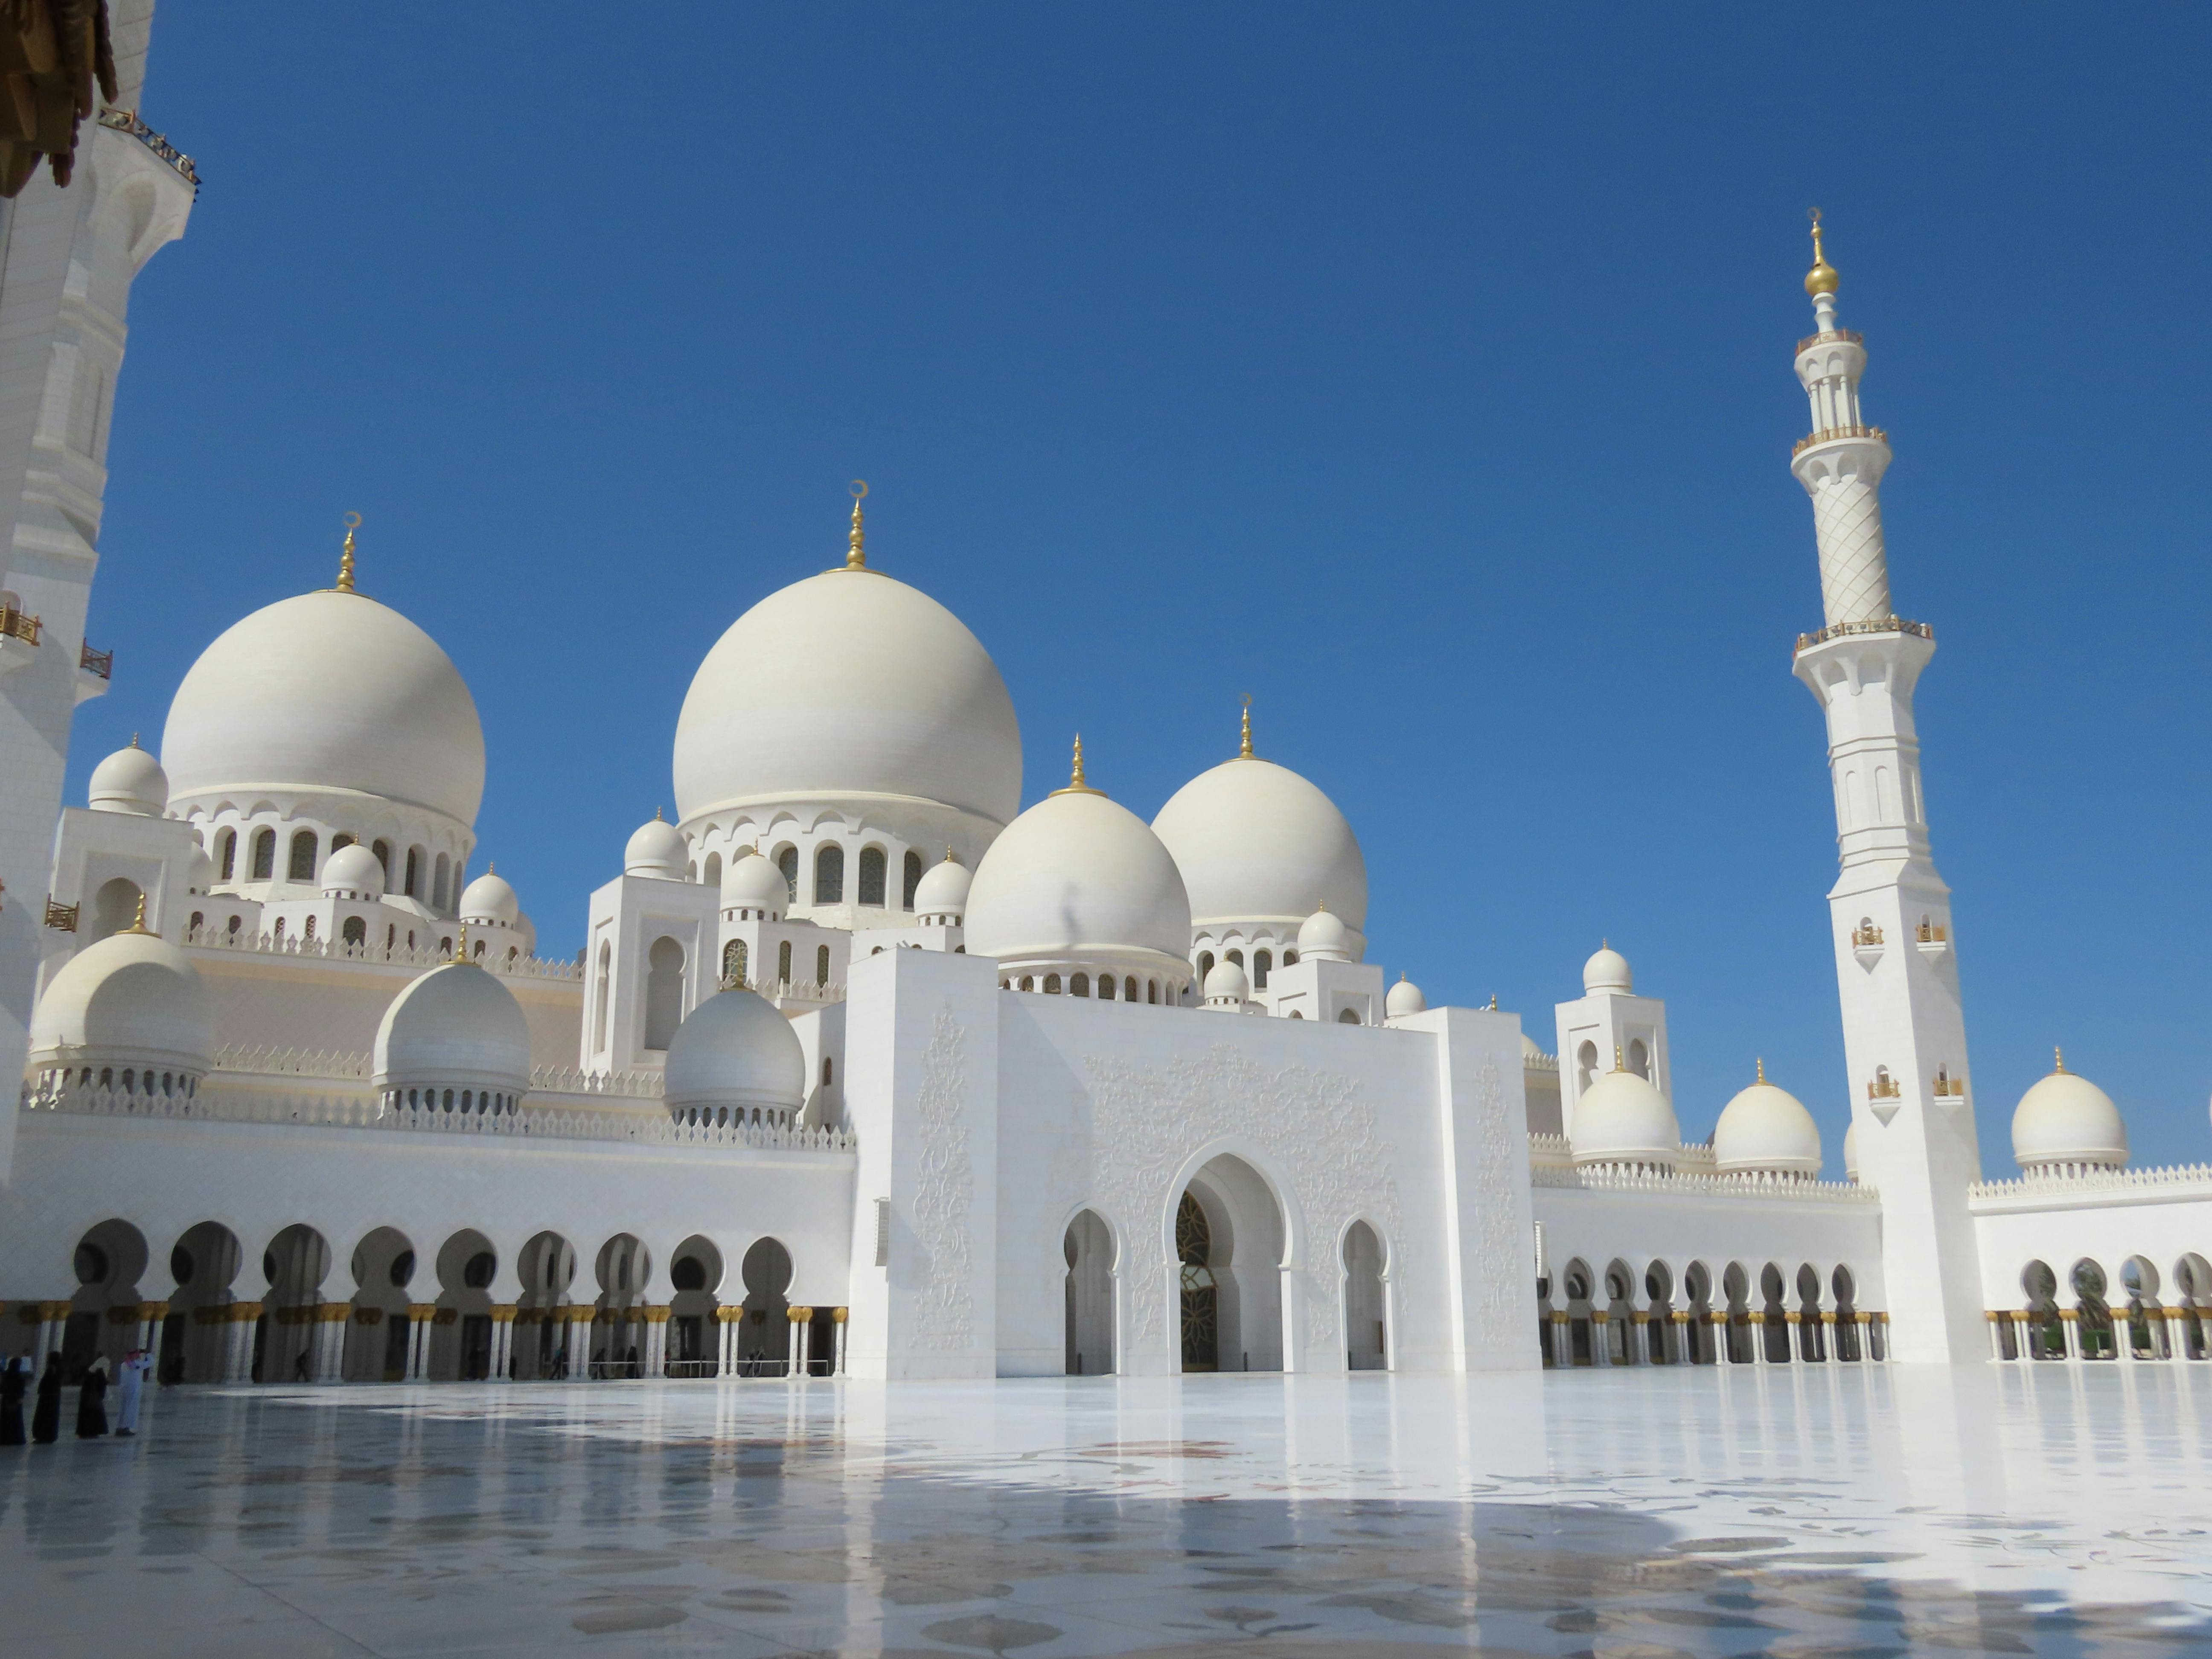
[{"x": 865, "y": 1068}]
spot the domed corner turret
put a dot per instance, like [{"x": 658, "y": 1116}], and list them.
[
  {"x": 657, "y": 851},
  {"x": 1623, "y": 1121},
  {"x": 1607, "y": 971},
  {"x": 1079, "y": 886},
  {"x": 1765, "y": 1130},
  {"x": 2066, "y": 1123},
  {"x": 735, "y": 1060},
  {"x": 1226, "y": 990},
  {"x": 755, "y": 889},
  {"x": 1322, "y": 937},
  {"x": 199, "y": 872},
  {"x": 490, "y": 901},
  {"x": 940, "y": 897},
  {"x": 1404, "y": 998},
  {"x": 130, "y": 780},
  {"x": 454, "y": 1040},
  {"x": 128, "y": 1012},
  {"x": 1851, "y": 1153},
  {"x": 353, "y": 872}
]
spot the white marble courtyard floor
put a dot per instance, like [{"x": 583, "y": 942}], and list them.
[{"x": 2062, "y": 1510}]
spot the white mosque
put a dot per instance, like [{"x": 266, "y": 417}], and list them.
[{"x": 866, "y": 1069}]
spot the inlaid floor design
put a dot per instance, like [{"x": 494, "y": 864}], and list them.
[{"x": 1831, "y": 1512}]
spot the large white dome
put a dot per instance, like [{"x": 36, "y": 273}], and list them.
[
  {"x": 1257, "y": 843},
  {"x": 2065, "y": 1119},
  {"x": 1622, "y": 1118},
  {"x": 327, "y": 691},
  {"x": 455, "y": 1027},
  {"x": 848, "y": 684},
  {"x": 131, "y": 999},
  {"x": 1079, "y": 878},
  {"x": 735, "y": 1052},
  {"x": 1766, "y": 1130}
]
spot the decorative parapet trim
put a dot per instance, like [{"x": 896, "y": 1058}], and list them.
[
  {"x": 398, "y": 955},
  {"x": 1550, "y": 1151},
  {"x": 2080, "y": 1180},
  {"x": 1617, "y": 1179},
  {"x": 340, "y": 1112},
  {"x": 1539, "y": 1062},
  {"x": 568, "y": 1080},
  {"x": 292, "y": 1062}
]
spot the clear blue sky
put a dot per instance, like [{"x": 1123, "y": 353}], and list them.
[{"x": 1422, "y": 370}]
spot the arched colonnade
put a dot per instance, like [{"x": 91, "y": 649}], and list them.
[
  {"x": 2139, "y": 1314},
  {"x": 1748, "y": 1314}
]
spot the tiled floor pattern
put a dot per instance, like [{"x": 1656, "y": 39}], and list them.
[{"x": 1839, "y": 1511}]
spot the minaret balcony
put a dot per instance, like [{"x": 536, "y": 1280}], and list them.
[
  {"x": 1866, "y": 946},
  {"x": 1884, "y": 1098},
  {"x": 19, "y": 638},
  {"x": 1831, "y": 336},
  {"x": 1890, "y": 624},
  {"x": 1932, "y": 940},
  {"x": 1828, "y": 435},
  {"x": 94, "y": 669}
]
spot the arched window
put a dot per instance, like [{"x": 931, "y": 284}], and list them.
[
  {"x": 830, "y": 875},
  {"x": 787, "y": 861},
  {"x": 390, "y": 936},
  {"x": 301, "y": 866},
  {"x": 479, "y": 949},
  {"x": 912, "y": 880},
  {"x": 383, "y": 851},
  {"x": 1290, "y": 958},
  {"x": 309, "y": 930},
  {"x": 1052, "y": 985},
  {"x": 1262, "y": 960},
  {"x": 438, "y": 882},
  {"x": 236, "y": 923},
  {"x": 871, "y": 876},
  {"x": 356, "y": 931},
  {"x": 664, "y": 991},
  {"x": 1106, "y": 987},
  {"x": 199, "y": 921},
  {"x": 711, "y": 875},
  {"x": 1205, "y": 965},
  {"x": 599, "y": 998},
  {"x": 413, "y": 888},
  {"x": 733, "y": 962},
  {"x": 821, "y": 964},
  {"x": 446, "y": 945},
  {"x": 1079, "y": 985},
  {"x": 783, "y": 963},
  {"x": 265, "y": 854},
  {"x": 1129, "y": 988},
  {"x": 1349, "y": 1017},
  {"x": 1639, "y": 1060},
  {"x": 227, "y": 852},
  {"x": 1151, "y": 990},
  {"x": 828, "y": 1071},
  {"x": 340, "y": 842},
  {"x": 1027, "y": 982},
  {"x": 1236, "y": 957},
  {"x": 277, "y": 931}
]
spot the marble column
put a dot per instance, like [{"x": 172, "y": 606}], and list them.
[
  {"x": 726, "y": 1353},
  {"x": 652, "y": 1354},
  {"x": 802, "y": 1323},
  {"x": 245, "y": 1317},
  {"x": 1758, "y": 1338},
  {"x": 2123, "y": 1334},
  {"x": 502, "y": 1341},
  {"x": 1600, "y": 1338},
  {"x": 419, "y": 1314},
  {"x": 1562, "y": 1337},
  {"x": 53, "y": 1319},
  {"x": 2069, "y": 1321},
  {"x": 838, "y": 1319},
  {"x": 150, "y": 1315}
]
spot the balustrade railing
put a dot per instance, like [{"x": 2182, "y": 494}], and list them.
[
  {"x": 401, "y": 956},
  {"x": 1828, "y": 435},
  {"x": 1830, "y": 336},
  {"x": 1891, "y": 624},
  {"x": 124, "y": 120},
  {"x": 100, "y": 664},
  {"x": 15, "y": 624}
]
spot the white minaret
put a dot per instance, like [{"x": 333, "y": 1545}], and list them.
[
  {"x": 1904, "y": 1038},
  {"x": 68, "y": 255}
]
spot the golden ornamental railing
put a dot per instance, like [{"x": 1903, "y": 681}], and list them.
[
  {"x": 15, "y": 624},
  {"x": 101, "y": 663},
  {"x": 1948, "y": 1087},
  {"x": 1829, "y": 336},
  {"x": 61, "y": 917},
  {"x": 124, "y": 120},
  {"x": 1884, "y": 1086},
  {"x": 1830, "y": 433},
  {"x": 1892, "y": 623},
  {"x": 1931, "y": 933},
  {"x": 1869, "y": 934}
]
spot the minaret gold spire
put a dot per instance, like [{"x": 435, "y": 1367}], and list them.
[
  {"x": 1076, "y": 786},
  {"x": 345, "y": 554},
  {"x": 138, "y": 925},
  {"x": 1245, "y": 750},
  {"x": 1822, "y": 278},
  {"x": 856, "y": 555}
]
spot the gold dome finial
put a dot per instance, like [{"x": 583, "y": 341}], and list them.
[
  {"x": 856, "y": 554},
  {"x": 1493, "y": 1002},
  {"x": 138, "y": 923},
  {"x": 345, "y": 554},
  {"x": 2058, "y": 1059},
  {"x": 1619, "y": 1064},
  {"x": 1076, "y": 786},
  {"x": 461, "y": 949},
  {"x": 1822, "y": 278},
  {"x": 133, "y": 739},
  {"x": 1244, "y": 749},
  {"x": 949, "y": 859},
  {"x": 1762, "y": 1068}
]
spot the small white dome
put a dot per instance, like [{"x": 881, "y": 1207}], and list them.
[
  {"x": 1226, "y": 982},
  {"x": 751, "y": 883},
  {"x": 353, "y": 869},
  {"x": 327, "y": 691},
  {"x": 735, "y": 1050},
  {"x": 491, "y": 898},
  {"x": 1851, "y": 1152},
  {"x": 2065, "y": 1119},
  {"x": 455, "y": 1027},
  {"x": 1766, "y": 1129},
  {"x": 1077, "y": 880},
  {"x": 1324, "y": 938},
  {"x": 131, "y": 999},
  {"x": 130, "y": 780},
  {"x": 1404, "y": 998},
  {"x": 1258, "y": 844},
  {"x": 658, "y": 850},
  {"x": 1531, "y": 1049},
  {"x": 1607, "y": 971},
  {"x": 1623, "y": 1119},
  {"x": 943, "y": 889},
  {"x": 199, "y": 874}
]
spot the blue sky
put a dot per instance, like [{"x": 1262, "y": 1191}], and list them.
[{"x": 1422, "y": 370}]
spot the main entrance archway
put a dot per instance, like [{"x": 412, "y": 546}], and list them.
[{"x": 1229, "y": 1244}]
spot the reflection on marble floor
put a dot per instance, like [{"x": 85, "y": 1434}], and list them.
[{"x": 2058, "y": 1510}]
